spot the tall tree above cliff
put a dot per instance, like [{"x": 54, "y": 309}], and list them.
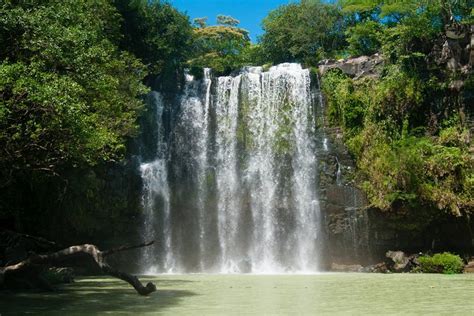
[
  {"x": 306, "y": 31},
  {"x": 219, "y": 47}
]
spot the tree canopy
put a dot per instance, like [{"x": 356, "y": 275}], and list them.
[
  {"x": 307, "y": 31},
  {"x": 220, "y": 47},
  {"x": 155, "y": 32},
  {"x": 69, "y": 94}
]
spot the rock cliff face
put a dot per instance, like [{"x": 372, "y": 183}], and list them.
[{"x": 343, "y": 206}]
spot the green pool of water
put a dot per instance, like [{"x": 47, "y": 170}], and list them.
[{"x": 354, "y": 294}]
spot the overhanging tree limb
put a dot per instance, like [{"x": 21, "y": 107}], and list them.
[{"x": 92, "y": 251}]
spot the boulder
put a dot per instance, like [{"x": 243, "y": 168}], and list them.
[
  {"x": 469, "y": 268},
  {"x": 400, "y": 260}
]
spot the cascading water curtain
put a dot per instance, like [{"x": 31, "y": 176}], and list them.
[{"x": 239, "y": 191}]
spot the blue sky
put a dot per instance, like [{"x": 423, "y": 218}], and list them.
[{"x": 249, "y": 12}]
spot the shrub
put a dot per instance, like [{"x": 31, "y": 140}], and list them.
[{"x": 445, "y": 262}]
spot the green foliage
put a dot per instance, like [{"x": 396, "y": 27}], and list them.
[
  {"x": 410, "y": 42},
  {"x": 405, "y": 128},
  {"x": 364, "y": 38},
  {"x": 381, "y": 8},
  {"x": 69, "y": 95},
  {"x": 397, "y": 165},
  {"x": 222, "y": 47},
  {"x": 156, "y": 33},
  {"x": 445, "y": 262},
  {"x": 305, "y": 31},
  {"x": 252, "y": 55},
  {"x": 347, "y": 104}
]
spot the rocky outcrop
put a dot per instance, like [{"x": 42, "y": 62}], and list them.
[
  {"x": 357, "y": 234},
  {"x": 401, "y": 262},
  {"x": 377, "y": 268},
  {"x": 454, "y": 49},
  {"x": 399, "y": 258},
  {"x": 355, "y": 67}
]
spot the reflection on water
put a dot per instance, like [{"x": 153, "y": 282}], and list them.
[{"x": 358, "y": 294}]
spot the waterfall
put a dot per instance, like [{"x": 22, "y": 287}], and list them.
[
  {"x": 156, "y": 196},
  {"x": 233, "y": 189}
]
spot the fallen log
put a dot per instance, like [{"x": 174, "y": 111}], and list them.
[{"x": 32, "y": 263}]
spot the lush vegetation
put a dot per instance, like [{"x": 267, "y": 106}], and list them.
[
  {"x": 307, "y": 31},
  {"x": 407, "y": 128},
  {"x": 69, "y": 95},
  {"x": 73, "y": 74},
  {"x": 445, "y": 262},
  {"x": 157, "y": 34},
  {"x": 224, "y": 47},
  {"x": 72, "y": 81}
]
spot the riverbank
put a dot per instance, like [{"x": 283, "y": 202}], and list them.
[{"x": 328, "y": 293}]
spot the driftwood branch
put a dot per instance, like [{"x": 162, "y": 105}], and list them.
[
  {"x": 94, "y": 252},
  {"x": 124, "y": 248}
]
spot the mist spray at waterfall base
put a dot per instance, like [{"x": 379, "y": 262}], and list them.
[{"x": 233, "y": 186}]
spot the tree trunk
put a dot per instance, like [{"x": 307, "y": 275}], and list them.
[{"x": 32, "y": 263}]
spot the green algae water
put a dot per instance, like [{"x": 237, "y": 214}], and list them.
[{"x": 353, "y": 294}]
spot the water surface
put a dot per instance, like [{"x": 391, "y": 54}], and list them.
[{"x": 347, "y": 294}]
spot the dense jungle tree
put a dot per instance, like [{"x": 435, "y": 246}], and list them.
[
  {"x": 68, "y": 94},
  {"x": 156, "y": 33},
  {"x": 307, "y": 31}
]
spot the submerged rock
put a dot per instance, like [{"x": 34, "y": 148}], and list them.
[
  {"x": 336, "y": 267},
  {"x": 377, "y": 268}
]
